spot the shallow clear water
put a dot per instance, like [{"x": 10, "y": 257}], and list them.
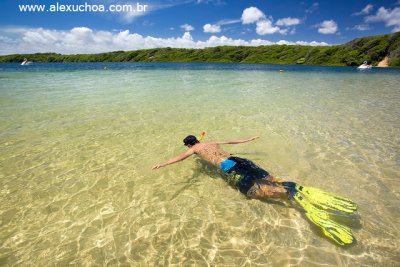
[{"x": 78, "y": 142}]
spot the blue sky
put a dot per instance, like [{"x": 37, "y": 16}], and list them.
[{"x": 190, "y": 23}]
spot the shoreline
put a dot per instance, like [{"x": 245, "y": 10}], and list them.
[{"x": 38, "y": 63}]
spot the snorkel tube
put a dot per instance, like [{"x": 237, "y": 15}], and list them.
[{"x": 203, "y": 133}]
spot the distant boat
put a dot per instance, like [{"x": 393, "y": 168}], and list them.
[
  {"x": 364, "y": 66},
  {"x": 26, "y": 62}
]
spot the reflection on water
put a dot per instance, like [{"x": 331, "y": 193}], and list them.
[{"x": 77, "y": 148}]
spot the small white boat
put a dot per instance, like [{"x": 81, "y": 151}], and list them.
[
  {"x": 364, "y": 66},
  {"x": 25, "y": 62}
]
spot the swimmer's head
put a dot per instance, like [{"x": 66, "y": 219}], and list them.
[{"x": 190, "y": 140}]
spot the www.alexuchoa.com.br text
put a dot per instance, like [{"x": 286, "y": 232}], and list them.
[{"x": 84, "y": 7}]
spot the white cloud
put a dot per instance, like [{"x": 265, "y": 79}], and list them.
[
  {"x": 227, "y": 21},
  {"x": 187, "y": 27},
  {"x": 264, "y": 24},
  {"x": 313, "y": 43},
  {"x": 365, "y": 11},
  {"x": 7, "y": 40},
  {"x": 211, "y": 28},
  {"x": 312, "y": 8},
  {"x": 288, "y": 21},
  {"x": 86, "y": 40},
  {"x": 129, "y": 16},
  {"x": 265, "y": 27},
  {"x": 214, "y": 28},
  {"x": 360, "y": 27},
  {"x": 252, "y": 15},
  {"x": 327, "y": 27},
  {"x": 284, "y": 31},
  {"x": 391, "y": 17}
]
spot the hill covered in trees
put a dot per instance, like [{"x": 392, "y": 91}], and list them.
[{"x": 372, "y": 49}]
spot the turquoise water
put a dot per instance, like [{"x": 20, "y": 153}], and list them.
[{"x": 78, "y": 142}]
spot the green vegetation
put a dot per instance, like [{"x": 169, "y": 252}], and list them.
[{"x": 372, "y": 49}]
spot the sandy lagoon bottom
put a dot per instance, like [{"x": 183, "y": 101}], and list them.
[{"x": 77, "y": 148}]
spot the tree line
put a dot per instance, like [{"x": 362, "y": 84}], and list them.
[{"x": 372, "y": 49}]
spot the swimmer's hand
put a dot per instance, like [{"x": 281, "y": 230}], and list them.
[{"x": 155, "y": 167}]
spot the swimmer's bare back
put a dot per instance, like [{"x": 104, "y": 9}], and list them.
[{"x": 211, "y": 152}]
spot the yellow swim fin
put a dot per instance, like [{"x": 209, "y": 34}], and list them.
[
  {"x": 339, "y": 233},
  {"x": 327, "y": 201},
  {"x": 322, "y": 199}
]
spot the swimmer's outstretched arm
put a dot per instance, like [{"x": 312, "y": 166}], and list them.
[
  {"x": 232, "y": 142},
  {"x": 173, "y": 160}
]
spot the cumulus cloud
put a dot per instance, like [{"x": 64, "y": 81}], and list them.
[
  {"x": 327, "y": 27},
  {"x": 214, "y": 28},
  {"x": 187, "y": 27},
  {"x": 288, "y": 21},
  {"x": 86, "y": 40},
  {"x": 211, "y": 28},
  {"x": 252, "y": 15},
  {"x": 391, "y": 17},
  {"x": 265, "y": 27},
  {"x": 365, "y": 11}
]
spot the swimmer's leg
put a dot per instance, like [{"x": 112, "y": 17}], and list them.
[
  {"x": 273, "y": 179},
  {"x": 262, "y": 189}
]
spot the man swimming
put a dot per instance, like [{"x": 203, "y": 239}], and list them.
[
  {"x": 257, "y": 183},
  {"x": 250, "y": 179}
]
